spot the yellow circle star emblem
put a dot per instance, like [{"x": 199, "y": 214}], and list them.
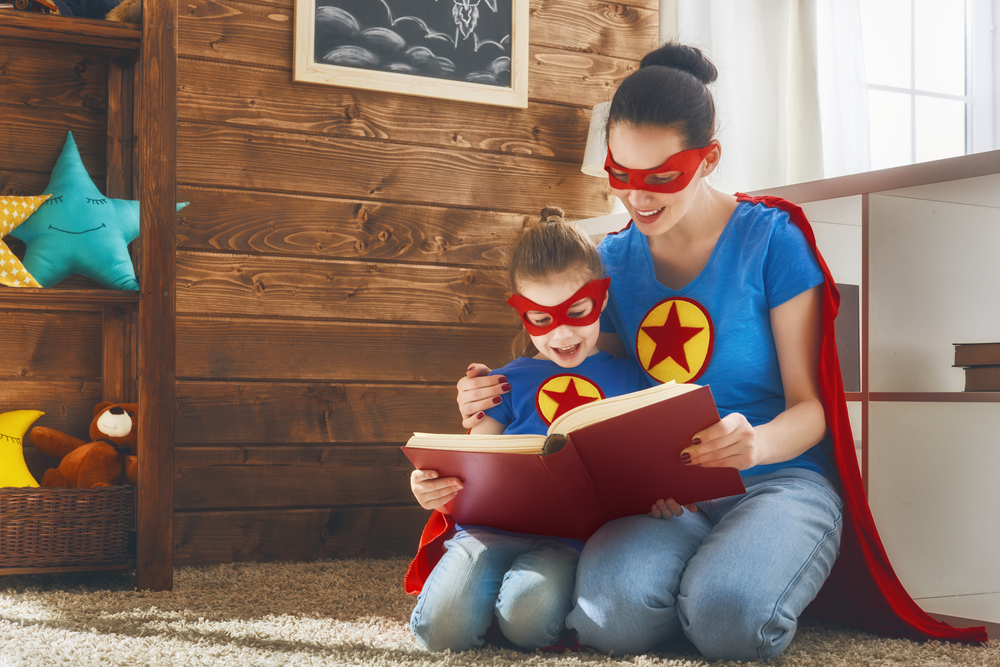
[
  {"x": 674, "y": 341},
  {"x": 561, "y": 393}
]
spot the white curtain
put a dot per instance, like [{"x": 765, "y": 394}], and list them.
[{"x": 791, "y": 96}]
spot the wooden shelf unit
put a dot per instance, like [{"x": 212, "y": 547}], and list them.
[
  {"x": 141, "y": 164},
  {"x": 102, "y": 37},
  {"x": 924, "y": 239}
]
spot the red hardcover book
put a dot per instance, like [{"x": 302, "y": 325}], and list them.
[{"x": 600, "y": 461}]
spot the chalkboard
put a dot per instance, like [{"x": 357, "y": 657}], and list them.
[{"x": 462, "y": 40}]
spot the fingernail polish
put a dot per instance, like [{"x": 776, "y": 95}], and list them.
[
  {"x": 696, "y": 441},
  {"x": 505, "y": 387},
  {"x": 496, "y": 399},
  {"x": 685, "y": 458},
  {"x": 502, "y": 379},
  {"x": 480, "y": 415}
]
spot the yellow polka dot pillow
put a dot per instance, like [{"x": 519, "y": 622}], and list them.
[{"x": 14, "y": 211}]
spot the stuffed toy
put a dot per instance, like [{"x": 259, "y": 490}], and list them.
[
  {"x": 14, "y": 211},
  {"x": 13, "y": 470},
  {"x": 79, "y": 230},
  {"x": 129, "y": 11},
  {"x": 111, "y": 451}
]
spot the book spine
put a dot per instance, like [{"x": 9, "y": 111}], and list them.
[
  {"x": 576, "y": 489},
  {"x": 982, "y": 378}
]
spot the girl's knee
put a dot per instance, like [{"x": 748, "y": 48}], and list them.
[
  {"x": 531, "y": 610},
  {"x": 440, "y": 634},
  {"x": 529, "y": 634}
]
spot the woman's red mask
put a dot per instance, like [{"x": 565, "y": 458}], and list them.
[
  {"x": 595, "y": 290},
  {"x": 685, "y": 164}
]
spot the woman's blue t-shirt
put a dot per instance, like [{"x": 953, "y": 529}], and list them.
[{"x": 716, "y": 330}]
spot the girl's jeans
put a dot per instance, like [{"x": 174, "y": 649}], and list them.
[
  {"x": 526, "y": 581},
  {"x": 733, "y": 577}
]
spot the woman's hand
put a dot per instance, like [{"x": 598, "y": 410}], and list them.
[
  {"x": 729, "y": 443},
  {"x": 431, "y": 492},
  {"x": 478, "y": 392},
  {"x": 669, "y": 508}
]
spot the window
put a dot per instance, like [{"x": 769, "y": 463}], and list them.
[{"x": 929, "y": 71}]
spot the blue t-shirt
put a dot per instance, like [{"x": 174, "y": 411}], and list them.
[
  {"x": 716, "y": 330},
  {"x": 541, "y": 390}
]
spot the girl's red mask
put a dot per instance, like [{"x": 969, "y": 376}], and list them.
[
  {"x": 686, "y": 163},
  {"x": 596, "y": 290}
]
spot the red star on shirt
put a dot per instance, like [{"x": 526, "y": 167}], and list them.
[
  {"x": 567, "y": 399},
  {"x": 670, "y": 338}
]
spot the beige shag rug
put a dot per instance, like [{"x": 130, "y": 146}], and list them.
[{"x": 344, "y": 612}]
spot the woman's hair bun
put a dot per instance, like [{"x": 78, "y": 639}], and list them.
[
  {"x": 552, "y": 212},
  {"x": 683, "y": 57}
]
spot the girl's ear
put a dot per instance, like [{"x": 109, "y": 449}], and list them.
[{"x": 607, "y": 297}]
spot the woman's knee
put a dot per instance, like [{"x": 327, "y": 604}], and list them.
[
  {"x": 627, "y": 581},
  {"x": 735, "y": 624}
]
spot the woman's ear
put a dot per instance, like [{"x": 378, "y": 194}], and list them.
[{"x": 712, "y": 159}]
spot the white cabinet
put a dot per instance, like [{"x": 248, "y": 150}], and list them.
[{"x": 923, "y": 242}]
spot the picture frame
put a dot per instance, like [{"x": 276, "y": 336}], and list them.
[{"x": 464, "y": 50}]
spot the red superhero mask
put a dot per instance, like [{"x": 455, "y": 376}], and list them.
[
  {"x": 595, "y": 290},
  {"x": 686, "y": 163}
]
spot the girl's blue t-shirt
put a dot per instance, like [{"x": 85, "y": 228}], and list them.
[
  {"x": 716, "y": 330},
  {"x": 541, "y": 390}
]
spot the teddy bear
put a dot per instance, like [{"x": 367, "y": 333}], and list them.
[
  {"x": 102, "y": 461},
  {"x": 129, "y": 11}
]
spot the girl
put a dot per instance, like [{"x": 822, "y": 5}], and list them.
[
  {"x": 524, "y": 581},
  {"x": 728, "y": 290}
]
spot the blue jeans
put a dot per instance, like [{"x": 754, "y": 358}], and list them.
[
  {"x": 733, "y": 577},
  {"x": 526, "y": 581}
]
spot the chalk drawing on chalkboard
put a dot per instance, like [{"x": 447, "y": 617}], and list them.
[{"x": 473, "y": 50}]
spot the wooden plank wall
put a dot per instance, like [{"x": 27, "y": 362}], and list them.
[
  {"x": 51, "y": 360},
  {"x": 333, "y": 268}
]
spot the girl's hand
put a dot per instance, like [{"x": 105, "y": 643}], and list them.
[
  {"x": 669, "y": 508},
  {"x": 432, "y": 492},
  {"x": 729, "y": 443},
  {"x": 478, "y": 392}
]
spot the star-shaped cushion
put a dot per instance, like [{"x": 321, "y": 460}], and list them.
[
  {"x": 14, "y": 211},
  {"x": 79, "y": 230}
]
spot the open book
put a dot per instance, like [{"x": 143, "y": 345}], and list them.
[{"x": 599, "y": 461}]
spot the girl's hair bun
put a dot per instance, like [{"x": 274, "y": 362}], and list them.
[
  {"x": 685, "y": 58},
  {"x": 550, "y": 212}
]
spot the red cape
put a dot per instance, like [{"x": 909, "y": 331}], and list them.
[{"x": 862, "y": 590}]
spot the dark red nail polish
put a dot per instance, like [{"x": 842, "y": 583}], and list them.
[
  {"x": 505, "y": 387},
  {"x": 696, "y": 441},
  {"x": 496, "y": 399},
  {"x": 480, "y": 415},
  {"x": 685, "y": 458},
  {"x": 501, "y": 379}
]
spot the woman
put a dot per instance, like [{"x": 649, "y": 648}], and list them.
[{"x": 727, "y": 291}]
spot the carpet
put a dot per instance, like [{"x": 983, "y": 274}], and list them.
[{"x": 341, "y": 612}]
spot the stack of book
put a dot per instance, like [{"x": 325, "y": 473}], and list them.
[{"x": 981, "y": 362}]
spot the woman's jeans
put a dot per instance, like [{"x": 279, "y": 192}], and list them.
[
  {"x": 733, "y": 577},
  {"x": 526, "y": 581}
]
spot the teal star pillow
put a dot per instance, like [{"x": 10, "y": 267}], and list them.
[{"x": 79, "y": 230}]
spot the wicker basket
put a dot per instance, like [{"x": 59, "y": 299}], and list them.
[{"x": 62, "y": 527}]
